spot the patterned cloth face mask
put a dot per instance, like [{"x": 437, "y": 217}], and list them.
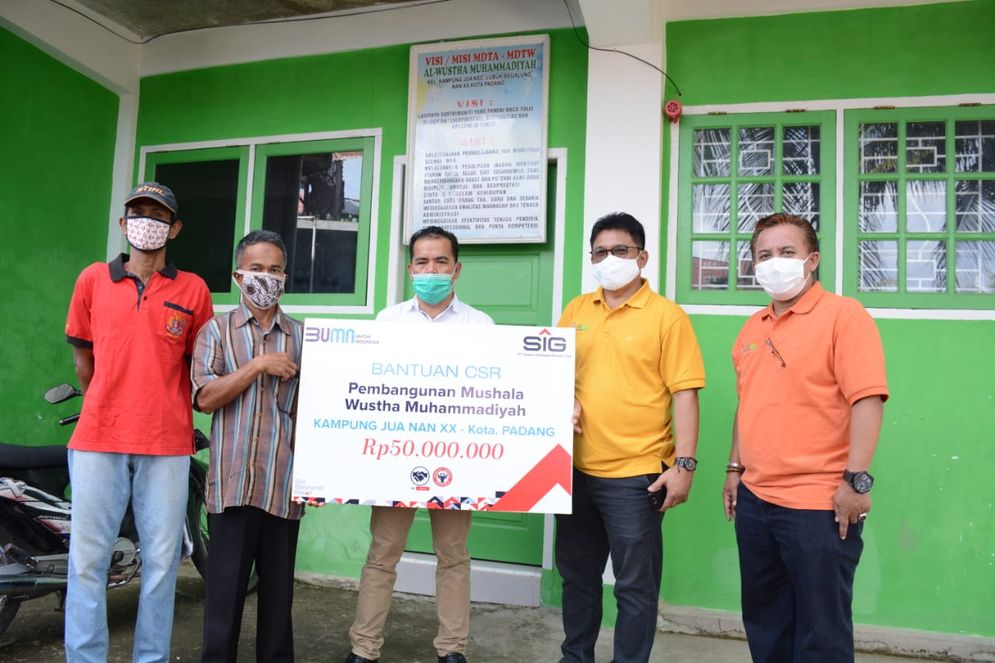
[
  {"x": 262, "y": 289},
  {"x": 145, "y": 233}
]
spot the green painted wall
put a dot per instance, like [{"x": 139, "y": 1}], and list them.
[
  {"x": 57, "y": 131},
  {"x": 920, "y": 50},
  {"x": 929, "y": 557},
  {"x": 354, "y": 90}
]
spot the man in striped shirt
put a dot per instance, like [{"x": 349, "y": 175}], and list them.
[{"x": 245, "y": 371}]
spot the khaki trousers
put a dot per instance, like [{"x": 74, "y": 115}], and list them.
[{"x": 389, "y": 527}]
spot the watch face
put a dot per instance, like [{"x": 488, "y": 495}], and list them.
[
  {"x": 688, "y": 464},
  {"x": 862, "y": 482}
]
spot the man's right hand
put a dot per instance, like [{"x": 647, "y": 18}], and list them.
[
  {"x": 576, "y": 417},
  {"x": 278, "y": 364},
  {"x": 730, "y": 492}
]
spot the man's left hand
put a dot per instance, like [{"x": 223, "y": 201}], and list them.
[
  {"x": 850, "y": 506},
  {"x": 678, "y": 484}
]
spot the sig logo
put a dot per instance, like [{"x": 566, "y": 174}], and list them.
[
  {"x": 329, "y": 335},
  {"x": 544, "y": 341}
]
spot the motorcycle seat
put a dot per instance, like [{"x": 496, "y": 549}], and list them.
[{"x": 20, "y": 457}]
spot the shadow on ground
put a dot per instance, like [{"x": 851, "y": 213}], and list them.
[{"x": 322, "y": 615}]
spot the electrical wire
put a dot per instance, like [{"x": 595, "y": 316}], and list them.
[
  {"x": 587, "y": 44},
  {"x": 292, "y": 19}
]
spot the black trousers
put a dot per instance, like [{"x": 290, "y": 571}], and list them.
[
  {"x": 241, "y": 536},
  {"x": 611, "y": 518},
  {"x": 797, "y": 582}
]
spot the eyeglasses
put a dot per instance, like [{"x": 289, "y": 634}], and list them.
[
  {"x": 619, "y": 251},
  {"x": 775, "y": 353}
]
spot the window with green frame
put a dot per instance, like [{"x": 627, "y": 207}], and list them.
[
  {"x": 316, "y": 194},
  {"x": 735, "y": 170},
  {"x": 920, "y": 207},
  {"x": 210, "y": 191}
]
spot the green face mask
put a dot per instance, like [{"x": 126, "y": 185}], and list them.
[{"x": 432, "y": 288}]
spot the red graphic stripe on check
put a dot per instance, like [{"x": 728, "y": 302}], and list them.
[{"x": 554, "y": 469}]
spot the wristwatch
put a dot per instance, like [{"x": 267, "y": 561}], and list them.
[
  {"x": 861, "y": 482},
  {"x": 686, "y": 463}
]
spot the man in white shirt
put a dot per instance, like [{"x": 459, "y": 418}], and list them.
[{"x": 434, "y": 268}]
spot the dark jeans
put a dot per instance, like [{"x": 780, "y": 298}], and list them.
[
  {"x": 240, "y": 536},
  {"x": 610, "y": 517},
  {"x": 797, "y": 582}
]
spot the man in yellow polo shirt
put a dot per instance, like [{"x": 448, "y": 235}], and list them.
[{"x": 637, "y": 360}]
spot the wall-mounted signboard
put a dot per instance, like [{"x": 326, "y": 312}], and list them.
[{"x": 477, "y": 139}]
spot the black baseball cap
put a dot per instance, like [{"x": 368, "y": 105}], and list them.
[{"x": 160, "y": 193}]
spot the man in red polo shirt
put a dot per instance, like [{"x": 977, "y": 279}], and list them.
[
  {"x": 811, "y": 382},
  {"x": 132, "y": 324}
]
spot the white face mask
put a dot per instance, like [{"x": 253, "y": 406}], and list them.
[
  {"x": 145, "y": 233},
  {"x": 781, "y": 278},
  {"x": 613, "y": 273},
  {"x": 262, "y": 289}
]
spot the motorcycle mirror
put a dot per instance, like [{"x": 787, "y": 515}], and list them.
[{"x": 62, "y": 392}]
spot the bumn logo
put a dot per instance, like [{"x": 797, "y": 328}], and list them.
[{"x": 327, "y": 335}]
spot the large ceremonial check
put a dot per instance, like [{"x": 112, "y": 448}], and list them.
[{"x": 444, "y": 416}]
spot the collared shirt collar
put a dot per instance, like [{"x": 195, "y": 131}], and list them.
[
  {"x": 455, "y": 305},
  {"x": 242, "y": 315},
  {"x": 803, "y": 305},
  {"x": 638, "y": 299},
  {"x": 118, "y": 273}
]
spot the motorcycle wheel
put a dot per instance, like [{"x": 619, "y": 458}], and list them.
[
  {"x": 197, "y": 519},
  {"x": 8, "y": 607}
]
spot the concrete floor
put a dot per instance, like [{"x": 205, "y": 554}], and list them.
[{"x": 321, "y": 622}]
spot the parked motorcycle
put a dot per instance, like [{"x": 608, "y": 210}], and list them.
[{"x": 35, "y": 521}]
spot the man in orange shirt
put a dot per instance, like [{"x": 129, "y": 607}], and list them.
[
  {"x": 132, "y": 324},
  {"x": 811, "y": 382}
]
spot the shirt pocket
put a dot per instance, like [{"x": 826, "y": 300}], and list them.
[{"x": 175, "y": 323}]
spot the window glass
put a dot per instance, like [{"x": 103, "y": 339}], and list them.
[
  {"x": 878, "y": 206},
  {"x": 879, "y": 266},
  {"x": 745, "y": 278},
  {"x": 801, "y": 150},
  {"x": 926, "y": 206},
  {"x": 735, "y": 170},
  {"x": 207, "y": 197},
  {"x": 975, "y": 205},
  {"x": 925, "y": 147},
  {"x": 756, "y": 151},
  {"x": 756, "y": 200},
  {"x": 802, "y": 199},
  {"x": 879, "y": 148},
  {"x": 710, "y": 265},
  {"x": 316, "y": 194},
  {"x": 313, "y": 201},
  {"x": 926, "y": 266},
  {"x": 976, "y": 266},
  {"x": 711, "y": 153},
  {"x": 711, "y": 208},
  {"x": 923, "y": 224},
  {"x": 975, "y": 145}
]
